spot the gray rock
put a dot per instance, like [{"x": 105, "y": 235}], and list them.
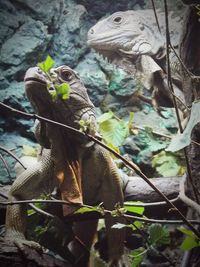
[
  {"x": 4, "y": 83},
  {"x": 98, "y": 8},
  {"x": 122, "y": 84},
  {"x": 48, "y": 11},
  {"x": 69, "y": 42},
  {"x": 30, "y": 40},
  {"x": 13, "y": 142},
  {"x": 94, "y": 79},
  {"x": 110, "y": 102},
  {"x": 14, "y": 95},
  {"x": 9, "y": 23},
  {"x": 130, "y": 147}
]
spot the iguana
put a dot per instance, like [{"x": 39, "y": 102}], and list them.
[
  {"x": 131, "y": 40},
  {"x": 83, "y": 171}
]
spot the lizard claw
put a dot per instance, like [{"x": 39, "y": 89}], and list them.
[
  {"x": 19, "y": 240},
  {"x": 21, "y": 243}
]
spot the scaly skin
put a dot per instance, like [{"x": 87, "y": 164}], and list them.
[
  {"x": 131, "y": 40},
  {"x": 34, "y": 181},
  {"x": 100, "y": 178}
]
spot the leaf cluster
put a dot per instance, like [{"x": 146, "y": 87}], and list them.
[
  {"x": 54, "y": 87},
  {"x": 168, "y": 164},
  {"x": 113, "y": 130}
]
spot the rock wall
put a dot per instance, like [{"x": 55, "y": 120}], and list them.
[{"x": 29, "y": 31}]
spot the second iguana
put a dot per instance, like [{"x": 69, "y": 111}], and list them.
[{"x": 131, "y": 40}]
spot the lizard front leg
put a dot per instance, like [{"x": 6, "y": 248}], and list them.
[
  {"x": 29, "y": 184},
  {"x": 111, "y": 195}
]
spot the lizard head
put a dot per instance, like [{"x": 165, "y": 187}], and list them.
[
  {"x": 39, "y": 87},
  {"x": 125, "y": 34}
]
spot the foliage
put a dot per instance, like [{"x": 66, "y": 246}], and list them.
[
  {"x": 152, "y": 143},
  {"x": 113, "y": 130},
  {"x": 158, "y": 235},
  {"x": 63, "y": 90},
  {"x": 168, "y": 164},
  {"x": 55, "y": 89},
  {"x": 137, "y": 256},
  {"x": 47, "y": 64},
  {"x": 129, "y": 206},
  {"x": 83, "y": 210},
  {"x": 191, "y": 240},
  {"x": 182, "y": 140}
]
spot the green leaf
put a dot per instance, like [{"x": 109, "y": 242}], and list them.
[
  {"x": 38, "y": 205},
  {"x": 129, "y": 206},
  {"x": 151, "y": 142},
  {"x": 187, "y": 232},
  {"x": 63, "y": 90},
  {"x": 85, "y": 210},
  {"x": 47, "y": 64},
  {"x": 182, "y": 140},
  {"x": 104, "y": 117},
  {"x": 191, "y": 239},
  {"x": 137, "y": 225},
  {"x": 137, "y": 255},
  {"x": 158, "y": 235},
  {"x": 189, "y": 243},
  {"x": 167, "y": 164},
  {"x": 114, "y": 131},
  {"x": 168, "y": 169}
]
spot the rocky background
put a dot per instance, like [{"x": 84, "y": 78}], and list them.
[{"x": 31, "y": 30}]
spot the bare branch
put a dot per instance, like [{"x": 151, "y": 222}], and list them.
[
  {"x": 186, "y": 199},
  {"x": 155, "y": 13},
  {"x": 12, "y": 155},
  {"x": 6, "y": 167},
  {"x": 105, "y": 211}
]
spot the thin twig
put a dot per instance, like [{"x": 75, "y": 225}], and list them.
[
  {"x": 186, "y": 199},
  {"x": 105, "y": 211},
  {"x": 11, "y": 154},
  {"x": 155, "y": 14},
  {"x": 6, "y": 167},
  {"x": 191, "y": 75},
  {"x": 170, "y": 85},
  {"x": 38, "y": 210},
  {"x": 127, "y": 162},
  {"x": 150, "y": 204}
]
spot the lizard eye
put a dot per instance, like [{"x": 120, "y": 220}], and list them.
[
  {"x": 66, "y": 75},
  {"x": 117, "y": 19}
]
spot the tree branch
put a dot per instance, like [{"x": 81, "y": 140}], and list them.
[
  {"x": 186, "y": 199},
  {"x": 99, "y": 215}
]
